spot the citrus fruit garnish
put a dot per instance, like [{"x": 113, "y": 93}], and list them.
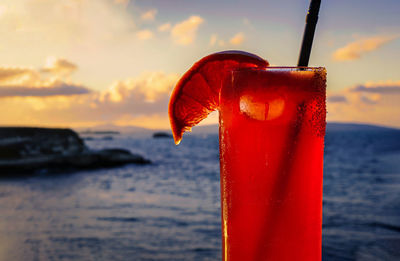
[{"x": 197, "y": 92}]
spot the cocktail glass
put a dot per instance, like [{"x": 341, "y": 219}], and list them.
[{"x": 272, "y": 127}]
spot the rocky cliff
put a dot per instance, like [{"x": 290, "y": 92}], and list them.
[{"x": 27, "y": 150}]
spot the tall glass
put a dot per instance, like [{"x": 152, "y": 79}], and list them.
[{"x": 272, "y": 127}]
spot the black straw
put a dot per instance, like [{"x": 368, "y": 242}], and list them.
[{"x": 311, "y": 23}]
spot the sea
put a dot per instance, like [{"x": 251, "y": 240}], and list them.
[{"x": 170, "y": 209}]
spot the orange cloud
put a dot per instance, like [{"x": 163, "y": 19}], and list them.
[
  {"x": 213, "y": 39},
  {"x": 336, "y": 99},
  {"x": 149, "y": 15},
  {"x": 149, "y": 88},
  {"x": 142, "y": 101},
  {"x": 11, "y": 74},
  {"x": 59, "y": 66},
  {"x": 184, "y": 32},
  {"x": 50, "y": 89},
  {"x": 381, "y": 88},
  {"x": 23, "y": 82},
  {"x": 355, "y": 50},
  {"x": 375, "y": 103},
  {"x": 164, "y": 27},
  {"x": 237, "y": 39}
]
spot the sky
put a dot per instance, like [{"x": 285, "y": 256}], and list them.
[{"x": 83, "y": 63}]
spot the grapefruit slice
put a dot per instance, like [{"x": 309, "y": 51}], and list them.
[{"x": 197, "y": 93}]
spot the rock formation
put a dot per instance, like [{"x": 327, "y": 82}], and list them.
[{"x": 26, "y": 150}]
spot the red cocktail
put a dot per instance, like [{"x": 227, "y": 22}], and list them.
[{"x": 272, "y": 126}]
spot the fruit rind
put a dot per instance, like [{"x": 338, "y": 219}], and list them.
[{"x": 198, "y": 110}]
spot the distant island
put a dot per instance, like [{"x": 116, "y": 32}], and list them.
[
  {"x": 26, "y": 150},
  {"x": 213, "y": 129},
  {"x": 330, "y": 126},
  {"x": 161, "y": 134},
  {"x": 100, "y": 132}
]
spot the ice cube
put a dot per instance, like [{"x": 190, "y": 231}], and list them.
[{"x": 261, "y": 109}]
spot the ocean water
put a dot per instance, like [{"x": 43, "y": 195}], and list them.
[{"x": 170, "y": 210}]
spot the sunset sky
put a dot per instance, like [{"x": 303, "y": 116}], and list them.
[{"x": 82, "y": 63}]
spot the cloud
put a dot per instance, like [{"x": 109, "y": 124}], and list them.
[
  {"x": 129, "y": 101},
  {"x": 337, "y": 99},
  {"x": 59, "y": 66},
  {"x": 355, "y": 50},
  {"x": 141, "y": 101},
  {"x": 380, "y": 88},
  {"x": 9, "y": 74},
  {"x": 164, "y": 27},
  {"x": 237, "y": 39},
  {"x": 24, "y": 76},
  {"x": 144, "y": 34},
  {"x": 371, "y": 102},
  {"x": 51, "y": 89},
  {"x": 26, "y": 82},
  {"x": 149, "y": 15},
  {"x": 184, "y": 32},
  {"x": 148, "y": 88},
  {"x": 213, "y": 39}
]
